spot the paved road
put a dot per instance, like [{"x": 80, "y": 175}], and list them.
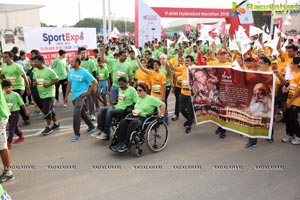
[{"x": 192, "y": 166}]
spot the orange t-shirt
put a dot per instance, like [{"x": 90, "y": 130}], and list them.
[{"x": 157, "y": 82}]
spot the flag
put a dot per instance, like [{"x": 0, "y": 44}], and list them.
[
  {"x": 115, "y": 33},
  {"x": 233, "y": 45},
  {"x": 287, "y": 20},
  {"x": 254, "y": 30},
  {"x": 169, "y": 42},
  {"x": 182, "y": 38},
  {"x": 257, "y": 44},
  {"x": 266, "y": 37}
]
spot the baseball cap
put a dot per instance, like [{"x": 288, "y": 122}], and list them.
[{"x": 220, "y": 51}]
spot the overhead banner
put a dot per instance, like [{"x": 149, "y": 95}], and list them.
[
  {"x": 50, "y": 40},
  {"x": 148, "y": 24},
  {"x": 236, "y": 100}
]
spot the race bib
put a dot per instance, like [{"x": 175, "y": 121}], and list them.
[
  {"x": 185, "y": 85},
  {"x": 12, "y": 79},
  {"x": 136, "y": 112},
  {"x": 179, "y": 80},
  {"x": 10, "y": 106},
  {"x": 101, "y": 76},
  {"x": 156, "y": 88},
  {"x": 121, "y": 98},
  {"x": 40, "y": 82},
  {"x": 121, "y": 74}
]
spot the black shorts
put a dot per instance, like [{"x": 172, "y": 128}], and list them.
[{"x": 48, "y": 109}]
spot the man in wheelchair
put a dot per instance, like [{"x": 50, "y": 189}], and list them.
[
  {"x": 144, "y": 106},
  {"x": 127, "y": 96}
]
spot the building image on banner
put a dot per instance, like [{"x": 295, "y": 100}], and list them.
[
  {"x": 235, "y": 100},
  {"x": 50, "y": 40}
]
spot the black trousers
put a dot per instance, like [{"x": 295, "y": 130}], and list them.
[
  {"x": 126, "y": 127},
  {"x": 292, "y": 125},
  {"x": 186, "y": 108},
  {"x": 177, "y": 92},
  {"x": 63, "y": 86},
  {"x": 22, "y": 113}
]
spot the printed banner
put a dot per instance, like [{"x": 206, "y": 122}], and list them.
[
  {"x": 50, "y": 40},
  {"x": 149, "y": 23},
  {"x": 236, "y": 100}
]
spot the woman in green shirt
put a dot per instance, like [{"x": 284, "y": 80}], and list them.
[{"x": 144, "y": 106}]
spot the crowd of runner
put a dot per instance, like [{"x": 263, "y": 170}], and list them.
[{"x": 118, "y": 76}]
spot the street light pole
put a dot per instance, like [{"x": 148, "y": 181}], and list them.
[
  {"x": 104, "y": 23},
  {"x": 109, "y": 18}
]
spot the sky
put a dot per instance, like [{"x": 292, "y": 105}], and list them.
[{"x": 60, "y": 12}]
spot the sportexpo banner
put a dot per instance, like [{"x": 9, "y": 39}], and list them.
[
  {"x": 239, "y": 101},
  {"x": 50, "y": 40}
]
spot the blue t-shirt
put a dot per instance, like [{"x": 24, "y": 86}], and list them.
[{"x": 80, "y": 81}]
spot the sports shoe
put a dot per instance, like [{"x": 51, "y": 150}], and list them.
[
  {"x": 103, "y": 136},
  {"x": 250, "y": 144},
  {"x": 175, "y": 118},
  {"x": 288, "y": 139},
  {"x": 55, "y": 102},
  {"x": 222, "y": 135},
  {"x": 55, "y": 125},
  {"x": 19, "y": 140},
  {"x": 121, "y": 148},
  {"x": 47, "y": 131},
  {"x": 90, "y": 130},
  {"x": 35, "y": 113},
  {"x": 296, "y": 141},
  {"x": 75, "y": 138},
  {"x": 93, "y": 118},
  {"x": 65, "y": 105},
  {"x": 6, "y": 176},
  {"x": 96, "y": 134},
  {"x": 188, "y": 129},
  {"x": 8, "y": 145}
]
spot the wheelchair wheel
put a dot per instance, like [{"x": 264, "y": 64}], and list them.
[
  {"x": 139, "y": 151},
  {"x": 157, "y": 136}
]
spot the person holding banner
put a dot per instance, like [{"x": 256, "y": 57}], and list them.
[
  {"x": 293, "y": 104},
  {"x": 261, "y": 103},
  {"x": 220, "y": 61},
  {"x": 185, "y": 101}
]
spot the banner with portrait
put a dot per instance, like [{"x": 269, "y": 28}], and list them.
[{"x": 236, "y": 100}]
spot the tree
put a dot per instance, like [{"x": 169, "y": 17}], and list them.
[{"x": 45, "y": 25}]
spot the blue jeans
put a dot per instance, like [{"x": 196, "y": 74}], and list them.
[{"x": 105, "y": 116}]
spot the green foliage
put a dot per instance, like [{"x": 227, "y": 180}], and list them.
[{"x": 97, "y": 23}]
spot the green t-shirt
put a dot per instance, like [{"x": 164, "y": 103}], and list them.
[
  {"x": 155, "y": 54},
  {"x": 145, "y": 106},
  {"x": 89, "y": 65},
  {"x": 161, "y": 49},
  {"x": 4, "y": 111},
  {"x": 168, "y": 78},
  {"x": 42, "y": 76},
  {"x": 14, "y": 73},
  {"x": 195, "y": 55},
  {"x": 126, "y": 98},
  {"x": 60, "y": 67},
  {"x": 119, "y": 69},
  {"x": 134, "y": 66},
  {"x": 102, "y": 73},
  {"x": 14, "y": 101}
]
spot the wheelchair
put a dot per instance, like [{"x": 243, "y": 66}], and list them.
[{"x": 152, "y": 132}]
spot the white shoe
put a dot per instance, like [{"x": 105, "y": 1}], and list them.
[
  {"x": 296, "y": 140},
  {"x": 288, "y": 139},
  {"x": 65, "y": 105},
  {"x": 103, "y": 136},
  {"x": 93, "y": 118},
  {"x": 96, "y": 134},
  {"x": 55, "y": 102}
]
